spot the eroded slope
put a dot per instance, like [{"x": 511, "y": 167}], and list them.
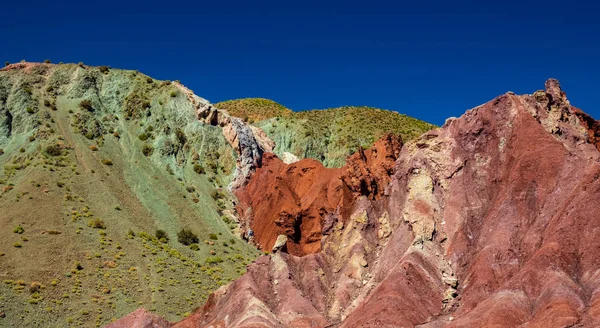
[{"x": 489, "y": 221}]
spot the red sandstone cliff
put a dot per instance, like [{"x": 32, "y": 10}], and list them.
[{"x": 489, "y": 221}]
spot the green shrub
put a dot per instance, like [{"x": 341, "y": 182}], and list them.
[
  {"x": 6, "y": 63},
  {"x": 47, "y": 103},
  {"x": 180, "y": 136},
  {"x": 190, "y": 188},
  {"x": 97, "y": 224},
  {"x": 86, "y": 104},
  {"x": 18, "y": 229},
  {"x": 47, "y": 61},
  {"x": 22, "y": 150},
  {"x": 214, "y": 260},
  {"x": 104, "y": 69},
  {"x": 195, "y": 247},
  {"x": 30, "y": 110},
  {"x": 149, "y": 80},
  {"x": 162, "y": 236},
  {"x": 143, "y": 137},
  {"x": 80, "y": 64},
  {"x": 147, "y": 149},
  {"x": 173, "y": 94},
  {"x": 17, "y": 245},
  {"x": 198, "y": 169},
  {"x": 187, "y": 237},
  {"x": 213, "y": 236},
  {"x": 107, "y": 162},
  {"x": 53, "y": 150}
]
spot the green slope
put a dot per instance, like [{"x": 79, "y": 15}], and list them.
[
  {"x": 91, "y": 182},
  {"x": 328, "y": 135}
]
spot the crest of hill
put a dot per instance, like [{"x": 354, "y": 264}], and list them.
[
  {"x": 328, "y": 135},
  {"x": 254, "y": 109}
]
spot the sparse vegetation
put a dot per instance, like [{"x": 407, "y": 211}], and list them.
[
  {"x": 187, "y": 237},
  {"x": 198, "y": 169},
  {"x": 53, "y": 150},
  {"x": 97, "y": 223},
  {"x": 86, "y": 104},
  {"x": 162, "y": 236},
  {"x": 47, "y": 61},
  {"x": 147, "y": 149},
  {"x": 19, "y": 230}
]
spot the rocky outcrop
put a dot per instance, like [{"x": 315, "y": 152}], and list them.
[
  {"x": 304, "y": 200},
  {"x": 249, "y": 142},
  {"x": 489, "y": 221}
]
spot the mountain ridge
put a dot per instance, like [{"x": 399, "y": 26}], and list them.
[{"x": 487, "y": 221}]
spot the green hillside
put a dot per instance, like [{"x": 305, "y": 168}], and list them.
[
  {"x": 253, "y": 109},
  {"x": 101, "y": 170},
  {"x": 328, "y": 135}
]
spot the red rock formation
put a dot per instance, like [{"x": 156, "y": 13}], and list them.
[
  {"x": 490, "y": 221},
  {"x": 304, "y": 199}
]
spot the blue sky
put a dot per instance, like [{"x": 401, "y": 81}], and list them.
[{"x": 428, "y": 59}]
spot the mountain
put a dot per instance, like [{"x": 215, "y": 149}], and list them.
[
  {"x": 489, "y": 221},
  {"x": 119, "y": 192},
  {"x": 328, "y": 135},
  {"x": 102, "y": 169}
]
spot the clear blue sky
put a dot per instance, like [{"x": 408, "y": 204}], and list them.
[{"x": 428, "y": 59}]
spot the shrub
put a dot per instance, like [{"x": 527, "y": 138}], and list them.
[
  {"x": 173, "y": 94},
  {"x": 198, "y": 169},
  {"x": 17, "y": 245},
  {"x": 162, "y": 236},
  {"x": 213, "y": 236},
  {"x": 86, "y": 104},
  {"x": 47, "y": 61},
  {"x": 35, "y": 287},
  {"x": 107, "y": 162},
  {"x": 94, "y": 148},
  {"x": 18, "y": 229},
  {"x": 147, "y": 150},
  {"x": 180, "y": 136},
  {"x": 1, "y": 151},
  {"x": 31, "y": 138},
  {"x": 104, "y": 69},
  {"x": 30, "y": 110},
  {"x": 53, "y": 150},
  {"x": 6, "y": 63},
  {"x": 47, "y": 103},
  {"x": 187, "y": 237},
  {"x": 190, "y": 188},
  {"x": 22, "y": 150},
  {"x": 80, "y": 64},
  {"x": 149, "y": 80},
  {"x": 214, "y": 260},
  {"x": 116, "y": 134},
  {"x": 195, "y": 247},
  {"x": 97, "y": 224},
  {"x": 143, "y": 137}
]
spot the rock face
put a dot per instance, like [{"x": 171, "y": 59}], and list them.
[
  {"x": 489, "y": 221},
  {"x": 248, "y": 141},
  {"x": 304, "y": 200}
]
